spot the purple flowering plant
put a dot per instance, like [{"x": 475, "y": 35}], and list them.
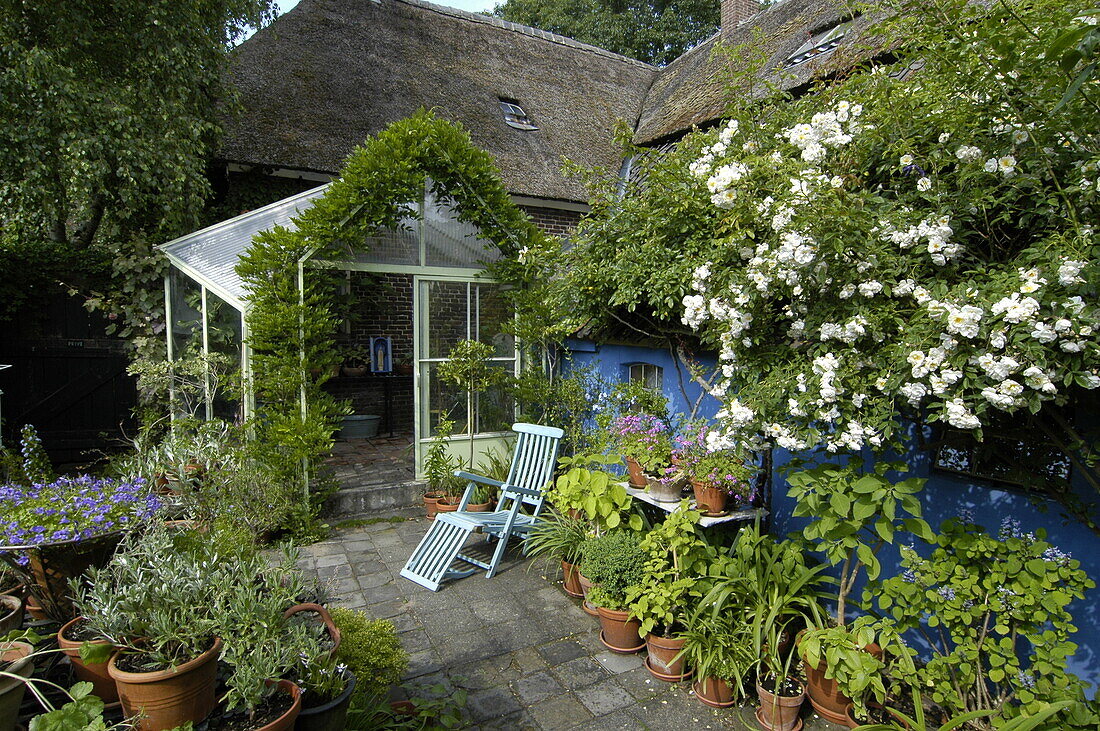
[
  {"x": 644, "y": 438},
  {"x": 72, "y": 508}
]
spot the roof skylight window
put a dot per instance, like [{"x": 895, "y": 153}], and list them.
[
  {"x": 514, "y": 116},
  {"x": 819, "y": 43}
]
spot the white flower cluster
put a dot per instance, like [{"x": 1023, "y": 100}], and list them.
[
  {"x": 825, "y": 130},
  {"x": 1006, "y": 341},
  {"x": 934, "y": 233}
]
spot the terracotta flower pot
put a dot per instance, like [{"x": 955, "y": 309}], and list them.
[
  {"x": 442, "y": 506},
  {"x": 714, "y": 692},
  {"x": 354, "y": 371},
  {"x": 324, "y": 616},
  {"x": 709, "y": 500},
  {"x": 11, "y": 613},
  {"x": 96, "y": 674},
  {"x": 825, "y": 695},
  {"x": 634, "y": 470},
  {"x": 586, "y": 586},
  {"x": 662, "y": 662},
  {"x": 35, "y": 608},
  {"x": 571, "y": 579},
  {"x": 331, "y": 716},
  {"x": 11, "y": 689},
  {"x": 779, "y": 713},
  {"x": 169, "y": 698},
  {"x": 288, "y": 719},
  {"x": 620, "y": 632},
  {"x": 431, "y": 500},
  {"x": 478, "y": 507}
]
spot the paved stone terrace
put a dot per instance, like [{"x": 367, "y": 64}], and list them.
[{"x": 528, "y": 656}]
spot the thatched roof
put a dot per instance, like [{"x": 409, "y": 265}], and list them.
[
  {"x": 694, "y": 89},
  {"x": 329, "y": 73}
]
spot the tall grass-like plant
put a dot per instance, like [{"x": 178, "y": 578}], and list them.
[{"x": 558, "y": 537}]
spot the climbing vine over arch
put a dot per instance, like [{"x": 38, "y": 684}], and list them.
[{"x": 291, "y": 333}]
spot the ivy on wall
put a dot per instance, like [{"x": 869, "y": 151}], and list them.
[{"x": 382, "y": 182}]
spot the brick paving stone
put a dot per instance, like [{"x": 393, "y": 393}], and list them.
[
  {"x": 527, "y": 660},
  {"x": 539, "y": 686},
  {"x": 641, "y": 684},
  {"x": 492, "y": 703},
  {"x": 378, "y": 578},
  {"x": 615, "y": 663},
  {"x": 579, "y": 672},
  {"x": 561, "y": 651},
  {"x": 560, "y": 712},
  {"x": 604, "y": 697},
  {"x": 521, "y": 721}
]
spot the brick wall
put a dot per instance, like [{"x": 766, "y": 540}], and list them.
[
  {"x": 553, "y": 221},
  {"x": 383, "y": 305}
]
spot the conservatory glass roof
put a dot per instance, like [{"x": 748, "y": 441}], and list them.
[{"x": 210, "y": 255}]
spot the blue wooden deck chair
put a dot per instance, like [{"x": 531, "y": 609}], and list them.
[{"x": 532, "y": 468}]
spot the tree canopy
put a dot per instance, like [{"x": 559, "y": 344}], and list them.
[
  {"x": 108, "y": 112},
  {"x": 655, "y": 31}
]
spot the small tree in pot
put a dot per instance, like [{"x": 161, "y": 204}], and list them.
[{"x": 469, "y": 365}]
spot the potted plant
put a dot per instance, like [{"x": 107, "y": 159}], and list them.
[
  {"x": 16, "y": 664},
  {"x": 150, "y": 603},
  {"x": 559, "y": 537},
  {"x": 11, "y": 613},
  {"x": 584, "y": 490},
  {"x": 372, "y": 653},
  {"x": 70, "y": 638},
  {"x": 644, "y": 443},
  {"x": 718, "y": 477},
  {"x": 852, "y": 659},
  {"x": 439, "y": 467},
  {"x": 614, "y": 562},
  {"x": 676, "y": 556},
  {"x": 356, "y": 361},
  {"x": 781, "y": 694},
  {"x": 469, "y": 365},
  {"x": 852, "y": 516},
  {"x": 55, "y": 531},
  {"x": 720, "y": 650},
  {"x": 327, "y": 687}
]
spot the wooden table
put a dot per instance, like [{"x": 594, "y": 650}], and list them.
[{"x": 735, "y": 515}]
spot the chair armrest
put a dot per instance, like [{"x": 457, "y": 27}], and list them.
[
  {"x": 523, "y": 490},
  {"x": 478, "y": 478}
]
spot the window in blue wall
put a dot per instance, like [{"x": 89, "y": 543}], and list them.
[
  {"x": 1008, "y": 457},
  {"x": 646, "y": 373}
]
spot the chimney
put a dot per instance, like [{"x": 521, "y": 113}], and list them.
[{"x": 734, "y": 11}]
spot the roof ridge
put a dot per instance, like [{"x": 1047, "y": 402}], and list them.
[{"x": 524, "y": 30}]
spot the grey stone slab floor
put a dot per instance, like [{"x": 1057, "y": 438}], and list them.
[{"x": 526, "y": 653}]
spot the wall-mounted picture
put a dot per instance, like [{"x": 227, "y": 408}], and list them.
[{"x": 381, "y": 354}]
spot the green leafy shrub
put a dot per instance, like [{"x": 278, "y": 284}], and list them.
[
  {"x": 594, "y": 492},
  {"x": 854, "y": 514},
  {"x": 613, "y": 562},
  {"x": 36, "y": 463},
  {"x": 371, "y": 650},
  {"x": 996, "y": 610}
]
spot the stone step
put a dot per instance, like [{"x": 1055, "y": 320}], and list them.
[{"x": 354, "y": 502}]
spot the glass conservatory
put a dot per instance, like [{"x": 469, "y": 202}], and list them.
[{"x": 412, "y": 293}]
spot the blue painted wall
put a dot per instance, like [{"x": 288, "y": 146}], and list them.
[{"x": 944, "y": 496}]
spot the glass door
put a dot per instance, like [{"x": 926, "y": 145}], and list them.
[{"x": 449, "y": 310}]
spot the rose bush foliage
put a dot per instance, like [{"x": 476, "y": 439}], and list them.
[{"x": 916, "y": 241}]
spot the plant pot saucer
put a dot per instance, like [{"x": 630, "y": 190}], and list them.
[
  {"x": 767, "y": 727},
  {"x": 709, "y": 514},
  {"x": 667, "y": 677},
  {"x": 575, "y": 595},
  {"x": 708, "y": 701},
  {"x": 621, "y": 650},
  {"x": 589, "y": 609}
]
